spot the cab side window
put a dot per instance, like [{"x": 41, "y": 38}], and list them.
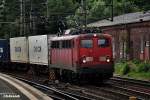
[
  {"x": 55, "y": 44},
  {"x": 66, "y": 44}
]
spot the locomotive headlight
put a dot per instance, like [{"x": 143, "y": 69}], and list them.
[
  {"x": 95, "y": 35},
  {"x": 107, "y": 60},
  {"x": 84, "y": 60},
  {"x": 87, "y": 59}
]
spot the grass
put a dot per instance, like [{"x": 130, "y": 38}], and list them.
[
  {"x": 134, "y": 69},
  {"x": 141, "y": 75}
]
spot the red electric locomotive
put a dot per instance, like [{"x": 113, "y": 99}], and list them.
[{"x": 82, "y": 56}]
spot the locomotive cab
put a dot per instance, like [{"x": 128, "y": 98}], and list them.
[
  {"x": 82, "y": 56},
  {"x": 95, "y": 53}
]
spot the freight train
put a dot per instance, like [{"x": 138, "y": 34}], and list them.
[{"x": 78, "y": 56}]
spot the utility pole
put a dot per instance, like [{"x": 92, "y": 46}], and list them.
[
  {"x": 21, "y": 17},
  {"x": 112, "y": 11},
  {"x": 85, "y": 13},
  {"x": 31, "y": 9},
  {"x": 83, "y": 9},
  {"x": 47, "y": 9},
  {"x": 32, "y": 18},
  {"x": 24, "y": 18},
  {"x": 111, "y": 5}
]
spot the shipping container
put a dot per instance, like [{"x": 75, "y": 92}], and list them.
[
  {"x": 4, "y": 50},
  {"x": 38, "y": 50},
  {"x": 19, "y": 49}
]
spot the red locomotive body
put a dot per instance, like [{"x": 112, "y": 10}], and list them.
[
  {"x": 95, "y": 54},
  {"x": 82, "y": 55}
]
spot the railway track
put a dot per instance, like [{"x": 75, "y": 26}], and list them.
[
  {"x": 116, "y": 88},
  {"x": 138, "y": 88},
  {"x": 132, "y": 81},
  {"x": 51, "y": 91},
  {"x": 62, "y": 91},
  {"x": 99, "y": 93}
]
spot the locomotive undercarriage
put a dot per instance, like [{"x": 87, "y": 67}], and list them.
[{"x": 84, "y": 74}]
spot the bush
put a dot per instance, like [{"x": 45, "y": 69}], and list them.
[
  {"x": 122, "y": 68},
  {"x": 143, "y": 67},
  {"x": 134, "y": 69},
  {"x": 125, "y": 69},
  {"x": 136, "y": 61}
]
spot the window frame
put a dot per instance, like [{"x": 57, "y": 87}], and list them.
[
  {"x": 106, "y": 45},
  {"x": 55, "y": 44},
  {"x": 67, "y": 44},
  {"x": 63, "y": 44},
  {"x": 92, "y": 43}
]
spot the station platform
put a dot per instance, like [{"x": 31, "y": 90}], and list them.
[{"x": 13, "y": 89}]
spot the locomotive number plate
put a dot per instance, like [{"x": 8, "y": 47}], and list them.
[
  {"x": 89, "y": 58},
  {"x": 102, "y": 59}
]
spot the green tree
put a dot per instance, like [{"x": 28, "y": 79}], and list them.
[
  {"x": 9, "y": 13},
  {"x": 59, "y": 10},
  {"x": 143, "y": 5},
  {"x": 124, "y": 6}
]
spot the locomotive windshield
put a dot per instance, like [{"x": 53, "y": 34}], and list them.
[
  {"x": 86, "y": 43},
  {"x": 103, "y": 42}
]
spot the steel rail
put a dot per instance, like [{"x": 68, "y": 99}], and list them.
[
  {"x": 99, "y": 92},
  {"x": 131, "y": 80},
  {"x": 110, "y": 92},
  {"x": 138, "y": 87},
  {"x": 55, "y": 89},
  {"x": 46, "y": 88}
]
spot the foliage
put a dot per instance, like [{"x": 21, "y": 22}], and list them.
[
  {"x": 60, "y": 13},
  {"x": 134, "y": 68},
  {"x": 122, "y": 68},
  {"x": 9, "y": 13},
  {"x": 141, "y": 75},
  {"x": 143, "y": 67},
  {"x": 124, "y": 6},
  {"x": 144, "y": 5},
  {"x": 136, "y": 61}
]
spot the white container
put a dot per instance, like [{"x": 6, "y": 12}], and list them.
[
  {"x": 19, "y": 49},
  {"x": 38, "y": 50}
]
